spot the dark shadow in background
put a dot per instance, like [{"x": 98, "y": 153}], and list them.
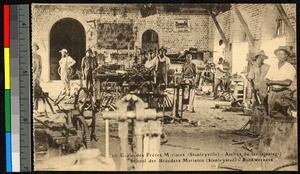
[{"x": 66, "y": 33}]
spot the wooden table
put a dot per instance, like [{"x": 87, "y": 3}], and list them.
[{"x": 100, "y": 78}]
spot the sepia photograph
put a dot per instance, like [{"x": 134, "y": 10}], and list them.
[{"x": 164, "y": 87}]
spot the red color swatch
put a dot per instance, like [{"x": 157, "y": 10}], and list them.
[{"x": 6, "y": 25}]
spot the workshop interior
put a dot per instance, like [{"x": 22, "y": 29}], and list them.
[{"x": 149, "y": 87}]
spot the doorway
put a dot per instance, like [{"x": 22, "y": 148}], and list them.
[
  {"x": 149, "y": 40},
  {"x": 66, "y": 33}
]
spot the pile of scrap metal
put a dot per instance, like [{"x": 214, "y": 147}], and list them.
[
  {"x": 140, "y": 81},
  {"x": 63, "y": 135},
  {"x": 112, "y": 68}
]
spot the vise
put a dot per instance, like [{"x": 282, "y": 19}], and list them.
[{"x": 147, "y": 130}]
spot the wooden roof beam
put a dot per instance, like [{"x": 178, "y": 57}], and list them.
[
  {"x": 244, "y": 24},
  {"x": 286, "y": 20},
  {"x": 218, "y": 27}
]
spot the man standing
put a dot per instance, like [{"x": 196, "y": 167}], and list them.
[
  {"x": 65, "y": 63},
  {"x": 218, "y": 77},
  {"x": 189, "y": 77},
  {"x": 88, "y": 65},
  {"x": 279, "y": 77},
  {"x": 37, "y": 64},
  {"x": 162, "y": 65},
  {"x": 256, "y": 77},
  {"x": 151, "y": 61},
  {"x": 37, "y": 70}
]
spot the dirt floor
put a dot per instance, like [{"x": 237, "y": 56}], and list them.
[{"x": 204, "y": 145}]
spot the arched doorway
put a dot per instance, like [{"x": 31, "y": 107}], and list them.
[
  {"x": 66, "y": 33},
  {"x": 149, "y": 40}
]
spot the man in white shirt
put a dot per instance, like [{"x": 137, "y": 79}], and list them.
[
  {"x": 151, "y": 60},
  {"x": 66, "y": 62},
  {"x": 279, "y": 77}
]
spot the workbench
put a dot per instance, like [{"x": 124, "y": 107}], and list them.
[
  {"x": 238, "y": 88},
  {"x": 110, "y": 78}
]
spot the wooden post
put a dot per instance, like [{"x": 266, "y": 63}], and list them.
[
  {"x": 218, "y": 27},
  {"x": 286, "y": 20},
  {"x": 243, "y": 22}
]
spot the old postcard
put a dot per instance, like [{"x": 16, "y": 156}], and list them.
[{"x": 164, "y": 87}]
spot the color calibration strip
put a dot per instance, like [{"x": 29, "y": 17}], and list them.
[
  {"x": 6, "y": 37},
  {"x": 25, "y": 88},
  {"x": 14, "y": 87}
]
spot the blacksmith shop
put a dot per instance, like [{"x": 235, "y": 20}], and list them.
[{"x": 164, "y": 87}]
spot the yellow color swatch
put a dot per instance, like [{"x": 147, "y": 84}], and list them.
[{"x": 7, "y": 68}]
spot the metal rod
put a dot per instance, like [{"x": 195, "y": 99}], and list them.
[{"x": 106, "y": 138}]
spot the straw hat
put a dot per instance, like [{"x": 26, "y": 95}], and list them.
[
  {"x": 261, "y": 53},
  {"x": 64, "y": 50},
  {"x": 283, "y": 48}
]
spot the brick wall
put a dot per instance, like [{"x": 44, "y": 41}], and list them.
[
  {"x": 45, "y": 16},
  {"x": 290, "y": 10},
  {"x": 261, "y": 20}
]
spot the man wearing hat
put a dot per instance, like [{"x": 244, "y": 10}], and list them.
[
  {"x": 88, "y": 65},
  {"x": 279, "y": 77},
  {"x": 65, "y": 63},
  {"x": 257, "y": 75},
  {"x": 37, "y": 70},
  {"x": 189, "y": 76},
  {"x": 162, "y": 65}
]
